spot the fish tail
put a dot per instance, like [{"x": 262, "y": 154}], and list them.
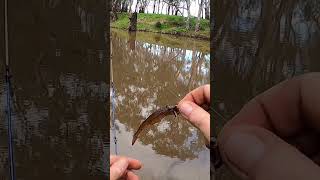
[
  {"x": 135, "y": 136},
  {"x": 134, "y": 139}
]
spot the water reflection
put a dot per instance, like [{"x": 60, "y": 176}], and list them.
[
  {"x": 59, "y": 85},
  {"x": 58, "y": 123},
  {"x": 149, "y": 73},
  {"x": 259, "y": 43}
]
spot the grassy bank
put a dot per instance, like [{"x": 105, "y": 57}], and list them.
[{"x": 159, "y": 23}]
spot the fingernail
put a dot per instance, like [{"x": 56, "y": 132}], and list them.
[
  {"x": 186, "y": 109},
  {"x": 244, "y": 150}
]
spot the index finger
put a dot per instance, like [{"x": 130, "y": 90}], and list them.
[
  {"x": 285, "y": 109},
  {"x": 133, "y": 163}
]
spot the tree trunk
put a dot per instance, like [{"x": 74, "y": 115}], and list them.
[
  {"x": 133, "y": 22},
  {"x": 207, "y": 9},
  {"x": 189, "y": 15},
  {"x": 129, "y": 6},
  {"x": 182, "y": 11},
  {"x": 124, "y": 6},
  {"x": 159, "y": 3},
  {"x": 154, "y": 6},
  {"x": 143, "y": 6},
  {"x": 199, "y": 16},
  {"x": 114, "y": 10},
  {"x": 162, "y": 7},
  {"x": 136, "y": 8}
]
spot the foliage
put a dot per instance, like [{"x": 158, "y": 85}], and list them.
[
  {"x": 165, "y": 24},
  {"x": 158, "y": 25}
]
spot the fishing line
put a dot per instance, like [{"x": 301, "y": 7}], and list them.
[
  {"x": 212, "y": 109},
  {"x": 8, "y": 94}
]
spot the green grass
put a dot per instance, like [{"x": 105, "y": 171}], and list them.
[{"x": 160, "y": 23}]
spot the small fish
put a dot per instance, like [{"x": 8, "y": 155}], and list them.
[{"x": 155, "y": 118}]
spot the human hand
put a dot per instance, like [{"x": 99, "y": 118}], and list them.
[
  {"x": 193, "y": 107},
  {"x": 120, "y": 168},
  {"x": 276, "y": 135}
]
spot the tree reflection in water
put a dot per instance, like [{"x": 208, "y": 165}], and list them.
[
  {"x": 59, "y": 85},
  {"x": 257, "y": 44},
  {"x": 150, "y": 73}
]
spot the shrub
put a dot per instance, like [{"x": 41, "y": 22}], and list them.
[{"x": 158, "y": 25}]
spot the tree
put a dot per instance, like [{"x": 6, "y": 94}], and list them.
[
  {"x": 129, "y": 6},
  {"x": 199, "y": 16},
  {"x": 115, "y": 9},
  {"x": 124, "y": 5},
  {"x": 143, "y": 5},
  {"x": 188, "y": 3},
  {"x": 154, "y": 6},
  {"x": 174, "y": 6},
  {"x": 207, "y": 9},
  {"x": 136, "y": 8},
  {"x": 159, "y": 4}
]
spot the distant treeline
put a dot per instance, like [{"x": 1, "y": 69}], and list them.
[{"x": 169, "y": 7}]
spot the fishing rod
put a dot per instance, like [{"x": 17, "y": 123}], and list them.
[
  {"x": 113, "y": 119},
  {"x": 113, "y": 96},
  {"x": 8, "y": 94}
]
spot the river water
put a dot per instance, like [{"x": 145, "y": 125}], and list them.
[
  {"x": 59, "y": 120},
  {"x": 59, "y": 83},
  {"x": 151, "y": 71},
  {"x": 258, "y": 44}
]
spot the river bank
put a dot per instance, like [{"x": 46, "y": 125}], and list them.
[
  {"x": 165, "y": 24},
  {"x": 165, "y": 39}
]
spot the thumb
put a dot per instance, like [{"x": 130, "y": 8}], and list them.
[
  {"x": 118, "y": 169},
  {"x": 256, "y": 153},
  {"x": 197, "y": 116}
]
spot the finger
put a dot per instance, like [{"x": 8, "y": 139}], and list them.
[
  {"x": 132, "y": 176},
  {"x": 113, "y": 158},
  {"x": 306, "y": 142},
  {"x": 256, "y": 153},
  {"x": 287, "y": 108},
  {"x": 133, "y": 163},
  {"x": 118, "y": 168},
  {"x": 200, "y": 96},
  {"x": 196, "y": 116}
]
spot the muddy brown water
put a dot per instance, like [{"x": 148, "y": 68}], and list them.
[
  {"x": 59, "y": 120},
  {"x": 258, "y": 44},
  {"x": 151, "y": 71},
  {"x": 60, "y": 129},
  {"x": 58, "y": 66}
]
